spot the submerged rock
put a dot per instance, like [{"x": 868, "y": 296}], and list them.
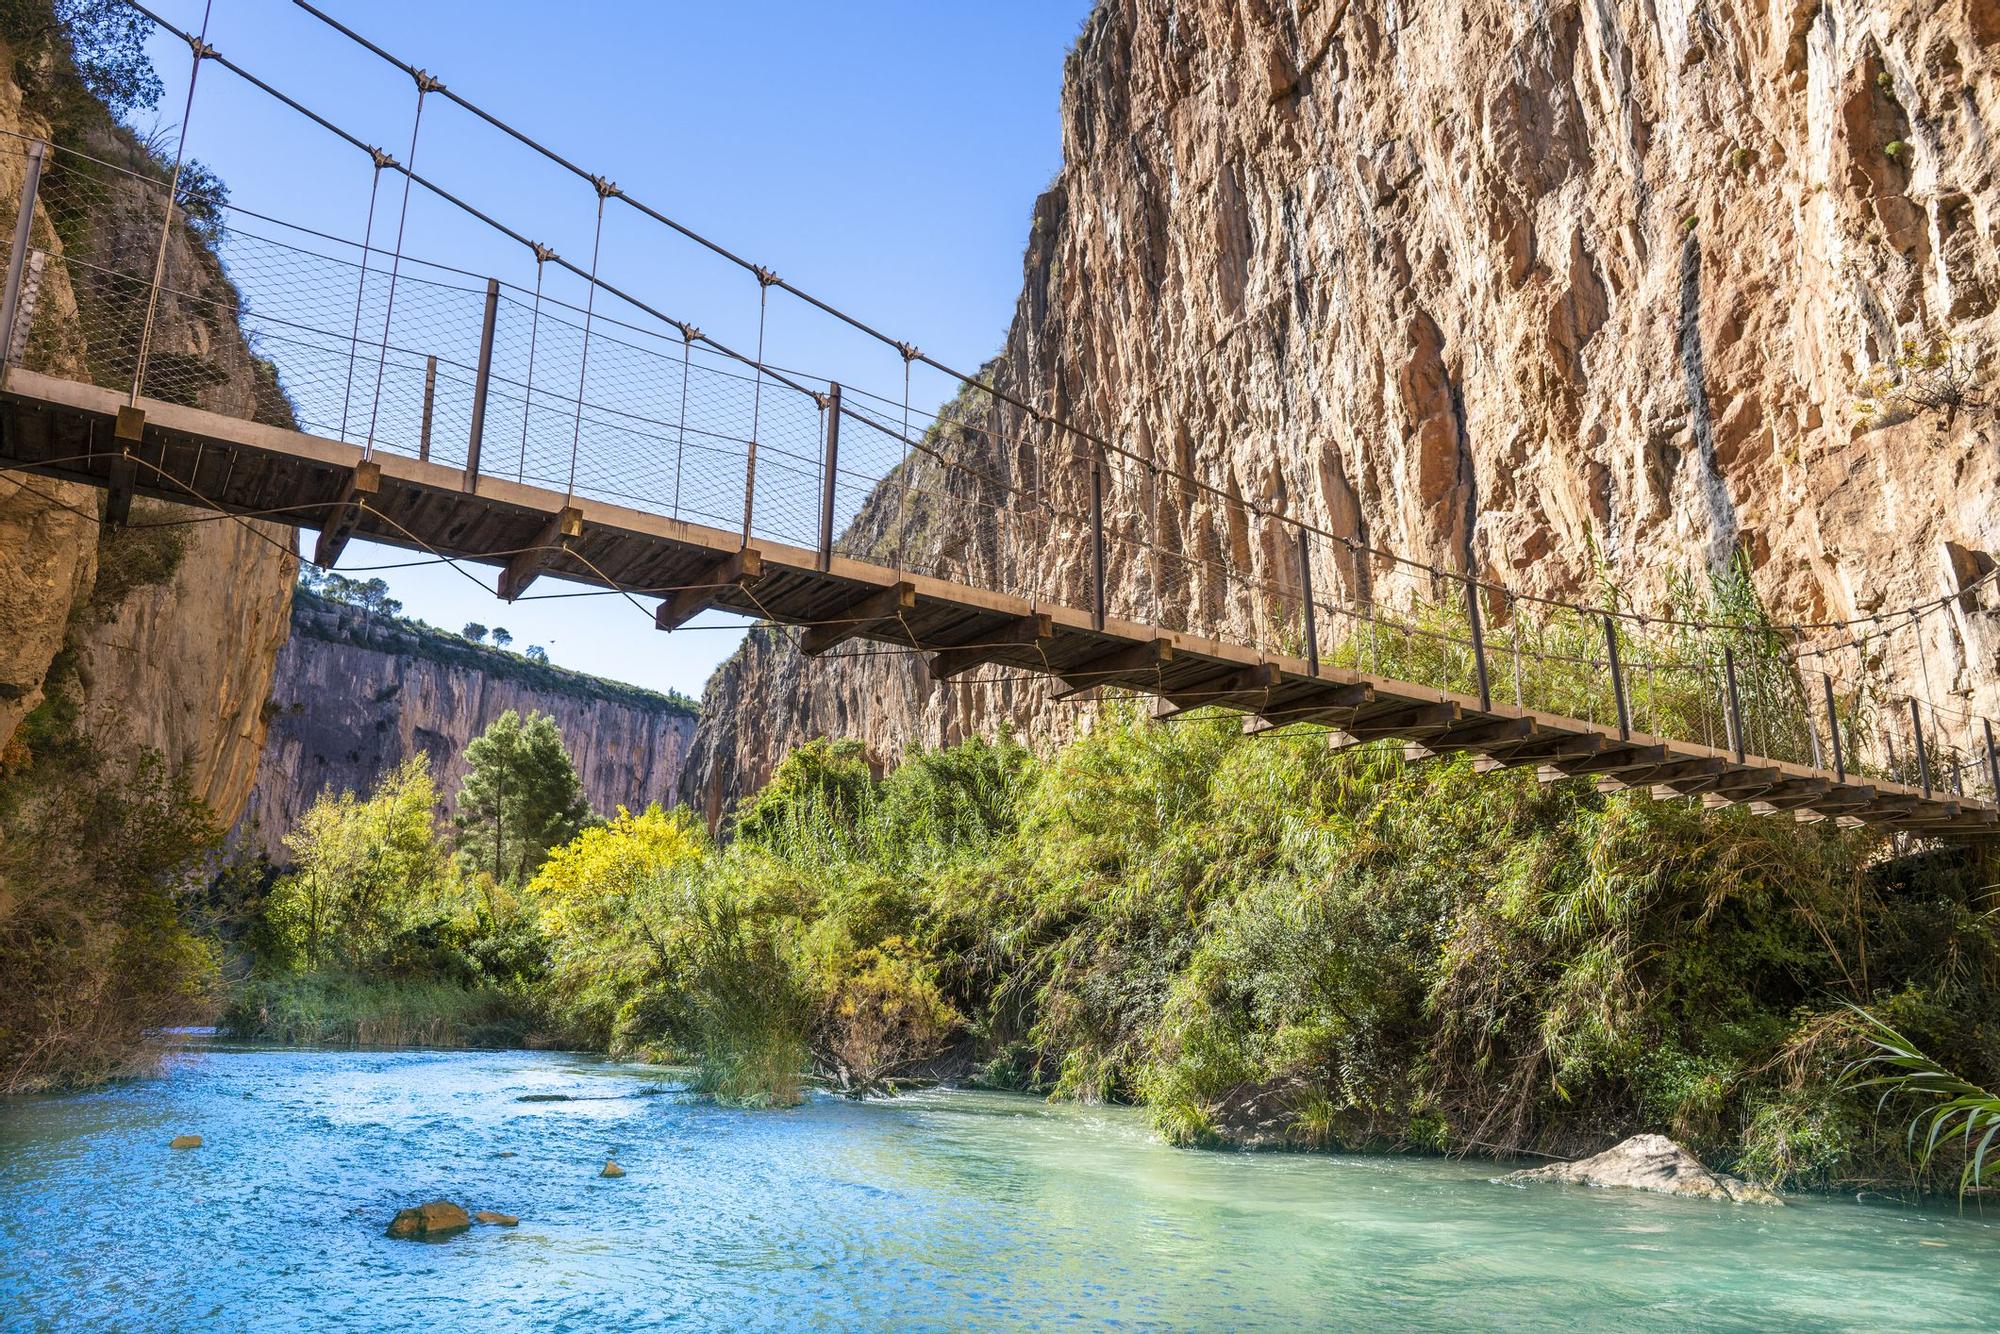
[
  {"x": 612, "y": 1169},
  {"x": 1650, "y": 1162},
  {"x": 496, "y": 1219},
  {"x": 184, "y": 1142},
  {"x": 433, "y": 1218}
]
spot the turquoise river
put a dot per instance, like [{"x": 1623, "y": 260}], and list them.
[{"x": 944, "y": 1210}]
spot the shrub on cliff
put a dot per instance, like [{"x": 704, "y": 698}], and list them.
[{"x": 96, "y": 858}]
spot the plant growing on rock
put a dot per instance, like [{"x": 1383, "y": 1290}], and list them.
[{"x": 1932, "y": 374}]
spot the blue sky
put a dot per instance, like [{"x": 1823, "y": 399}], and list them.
[{"x": 883, "y": 156}]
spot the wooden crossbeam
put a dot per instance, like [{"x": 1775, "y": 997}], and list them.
[
  {"x": 1616, "y": 759},
  {"x": 345, "y": 514},
  {"x": 1542, "y": 749},
  {"x": 1796, "y": 792},
  {"x": 1703, "y": 766},
  {"x": 1247, "y": 684},
  {"x": 123, "y": 475},
  {"x": 1407, "y": 721},
  {"x": 739, "y": 569},
  {"x": 1337, "y": 703},
  {"x": 562, "y": 528},
  {"x": 994, "y": 646},
  {"x": 859, "y": 617},
  {"x": 1481, "y": 733},
  {"x": 1146, "y": 656}
]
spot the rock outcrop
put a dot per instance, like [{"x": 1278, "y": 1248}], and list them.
[
  {"x": 429, "y": 1221},
  {"x": 354, "y": 695},
  {"x": 1649, "y": 1162},
  {"x": 1555, "y": 292},
  {"x": 166, "y": 633}
]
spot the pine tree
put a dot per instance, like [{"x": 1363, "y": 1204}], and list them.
[{"x": 520, "y": 797}]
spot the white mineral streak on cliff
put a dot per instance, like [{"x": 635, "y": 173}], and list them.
[{"x": 1533, "y": 286}]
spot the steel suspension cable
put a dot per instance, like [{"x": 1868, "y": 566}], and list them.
[
  {"x": 528, "y": 392},
  {"x": 680, "y": 432},
  {"x": 764, "y": 281},
  {"x": 361, "y": 290},
  {"x": 201, "y": 49},
  {"x": 424, "y": 86},
  {"x": 605, "y": 189}
]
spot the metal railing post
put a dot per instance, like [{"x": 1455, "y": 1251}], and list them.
[
  {"x": 430, "y": 404},
  {"x": 482, "y": 381},
  {"x": 1097, "y": 541},
  {"x": 1923, "y": 753},
  {"x": 1312, "y": 615},
  {"x": 1617, "y": 678},
  {"x": 1478, "y": 624},
  {"x": 1992, "y": 758},
  {"x": 1833, "y": 728},
  {"x": 1735, "y": 703},
  {"x": 17, "y": 259},
  {"x": 829, "y": 477}
]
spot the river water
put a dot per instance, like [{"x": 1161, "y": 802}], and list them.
[{"x": 941, "y": 1210}]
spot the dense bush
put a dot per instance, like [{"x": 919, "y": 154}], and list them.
[{"x": 1267, "y": 940}]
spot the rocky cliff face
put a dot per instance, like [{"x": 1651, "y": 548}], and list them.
[
  {"x": 1542, "y": 290},
  {"x": 354, "y": 696},
  {"x": 170, "y": 629}
]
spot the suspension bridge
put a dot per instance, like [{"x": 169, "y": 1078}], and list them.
[{"x": 161, "y": 342}]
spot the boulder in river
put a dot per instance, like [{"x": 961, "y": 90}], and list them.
[
  {"x": 612, "y": 1169},
  {"x": 432, "y": 1218},
  {"x": 1650, "y": 1162},
  {"x": 184, "y": 1142},
  {"x": 496, "y": 1219}
]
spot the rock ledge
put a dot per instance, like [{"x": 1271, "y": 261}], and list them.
[{"x": 1649, "y": 1162}]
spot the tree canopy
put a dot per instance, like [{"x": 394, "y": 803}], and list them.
[{"x": 520, "y": 798}]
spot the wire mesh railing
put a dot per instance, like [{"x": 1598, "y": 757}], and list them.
[{"x": 121, "y": 287}]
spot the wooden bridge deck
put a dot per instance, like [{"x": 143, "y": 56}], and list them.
[{"x": 67, "y": 429}]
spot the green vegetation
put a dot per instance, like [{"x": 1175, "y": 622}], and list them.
[
  {"x": 1955, "y": 1106},
  {"x": 387, "y": 932},
  {"x": 520, "y": 798},
  {"x": 1263, "y": 939}
]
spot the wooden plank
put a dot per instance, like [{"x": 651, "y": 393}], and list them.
[
  {"x": 858, "y": 617},
  {"x": 364, "y": 481},
  {"x": 562, "y": 528},
  {"x": 739, "y": 569}
]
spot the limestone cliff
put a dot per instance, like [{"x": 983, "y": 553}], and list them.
[
  {"x": 1538, "y": 289},
  {"x": 355, "y": 695},
  {"x": 168, "y": 632}
]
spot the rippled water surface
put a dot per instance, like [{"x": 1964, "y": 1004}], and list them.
[{"x": 940, "y": 1210}]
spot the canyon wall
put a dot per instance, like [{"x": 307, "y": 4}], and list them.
[
  {"x": 1556, "y": 292},
  {"x": 355, "y": 695},
  {"x": 164, "y": 633}
]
